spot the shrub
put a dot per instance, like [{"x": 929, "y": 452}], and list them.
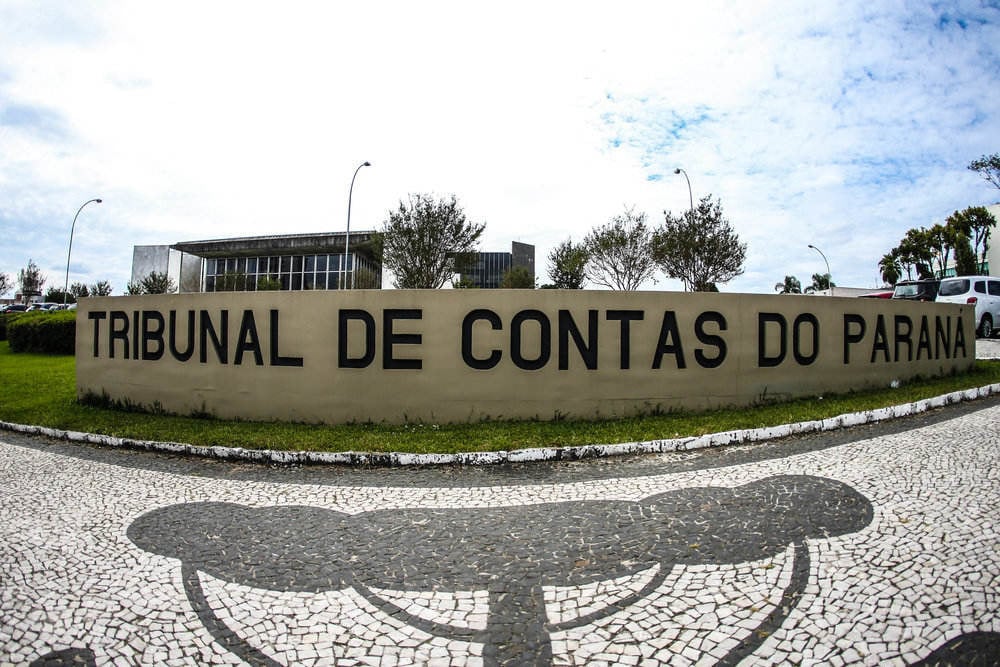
[{"x": 48, "y": 333}]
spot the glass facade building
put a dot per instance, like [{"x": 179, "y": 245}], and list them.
[
  {"x": 486, "y": 269},
  {"x": 279, "y": 262},
  {"x": 290, "y": 272}
]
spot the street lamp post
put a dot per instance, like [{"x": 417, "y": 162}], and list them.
[
  {"x": 347, "y": 235},
  {"x": 678, "y": 170},
  {"x": 70, "y": 251},
  {"x": 829, "y": 276}
]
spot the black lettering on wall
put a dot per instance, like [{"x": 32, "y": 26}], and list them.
[
  {"x": 959, "y": 340},
  {"x": 942, "y": 336},
  {"x": 924, "y": 338},
  {"x": 763, "y": 319},
  {"x": 390, "y": 338},
  {"x": 276, "y": 358},
  {"x": 172, "y": 336},
  {"x": 669, "y": 342},
  {"x": 135, "y": 334},
  {"x": 626, "y": 317},
  {"x": 903, "y": 329},
  {"x": 220, "y": 337},
  {"x": 706, "y": 338},
  {"x": 470, "y": 319},
  {"x": 248, "y": 340},
  {"x": 881, "y": 342},
  {"x": 857, "y": 323},
  {"x": 97, "y": 316},
  {"x": 152, "y": 335},
  {"x": 365, "y": 360},
  {"x": 804, "y": 359},
  {"x": 118, "y": 331},
  {"x": 587, "y": 349},
  {"x": 544, "y": 335}
]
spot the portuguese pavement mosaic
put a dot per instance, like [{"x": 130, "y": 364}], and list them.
[{"x": 884, "y": 549}]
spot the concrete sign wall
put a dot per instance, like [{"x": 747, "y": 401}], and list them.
[{"x": 468, "y": 355}]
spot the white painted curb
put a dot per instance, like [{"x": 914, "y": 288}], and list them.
[{"x": 518, "y": 455}]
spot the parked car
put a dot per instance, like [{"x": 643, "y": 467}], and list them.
[
  {"x": 15, "y": 308},
  {"x": 916, "y": 290},
  {"x": 983, "y": 291},
  {"x": 43, "y": 305},
  {"x": 880, "y": 294}
]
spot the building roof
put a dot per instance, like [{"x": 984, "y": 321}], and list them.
[{"x": 278, "y": 244}]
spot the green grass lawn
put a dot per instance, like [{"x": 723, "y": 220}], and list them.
[{"x": 40, "y": 390}]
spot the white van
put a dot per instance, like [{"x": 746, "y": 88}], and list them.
[{"x": 983, "y": 291}]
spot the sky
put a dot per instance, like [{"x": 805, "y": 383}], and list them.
[{"x": 840, "y": 125}]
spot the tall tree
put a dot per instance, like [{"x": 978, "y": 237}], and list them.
[
  {"x": 965, "y": 258},
  {"x": 791, "y": 285},
  {"x": 5, "y": 284},
  {"x": 31, "y": 280},
  {"x": 977, "y": 223},
  {"x": 941, "y": 239},
  {"x": 619, "y": 253},
  {"x": 914, "y": 253},
  {"x": 889, "y": 268},
  {"x": 820, "y": 282},
  {"x": 988, "y": 166},
  {"x": 700, "y": 247},
  {"x": 568, "y": 265},
  {"x": 421, "y": 240}
]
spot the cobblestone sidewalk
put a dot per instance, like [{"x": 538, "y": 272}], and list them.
[{"x": 885, "y": 550}]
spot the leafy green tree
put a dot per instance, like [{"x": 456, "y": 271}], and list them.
[
  {"x": 820, "y": 282},
  {"x": 965, "y": 258},
  {"x": 620, "y": 253},
  {"x": 977, "y": 223},
  {"x": 889, "y": 268},
  {"x": 791, "y": 285},
  {"x": 941, "y": 239},
  {"x": 700, "y": 247},
  {"x": 914, "y": 253},
  {"x": 100, "y": 288},
  {"x": 79, "y": 291},
  {"x": 31, "y": 280},
  {"x": 517, "y": 277},
  {"x": 988, "y": 166},
  {"x": 5, "y": 284},
  {"x": 154, "y": 283},
  {"x": 568, "y": 265},
  {"x": 56, "y": 295},
  {"x": 421, "y": 239}
]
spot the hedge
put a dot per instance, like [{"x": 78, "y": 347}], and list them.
[{"x": 48, "y": 333}]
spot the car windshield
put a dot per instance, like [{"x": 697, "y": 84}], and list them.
[
  {"x": 906, "y": 290},
  {"x": 953, "y": 287}
]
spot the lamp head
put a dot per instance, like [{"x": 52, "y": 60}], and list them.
[
  {"x": 677, "y": 170},
  {"x": 99, "y": 200},
  {"x": 367, "y": 164}
]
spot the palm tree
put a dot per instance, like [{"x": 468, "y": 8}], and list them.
[
  {"x": 791, "y": 285},
  {"x": 889, "y": 267}
]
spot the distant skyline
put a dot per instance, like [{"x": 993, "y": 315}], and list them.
[{"x": 840, "y": 126}]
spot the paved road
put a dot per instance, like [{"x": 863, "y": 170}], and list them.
[{"x": 879, "y": 545}]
